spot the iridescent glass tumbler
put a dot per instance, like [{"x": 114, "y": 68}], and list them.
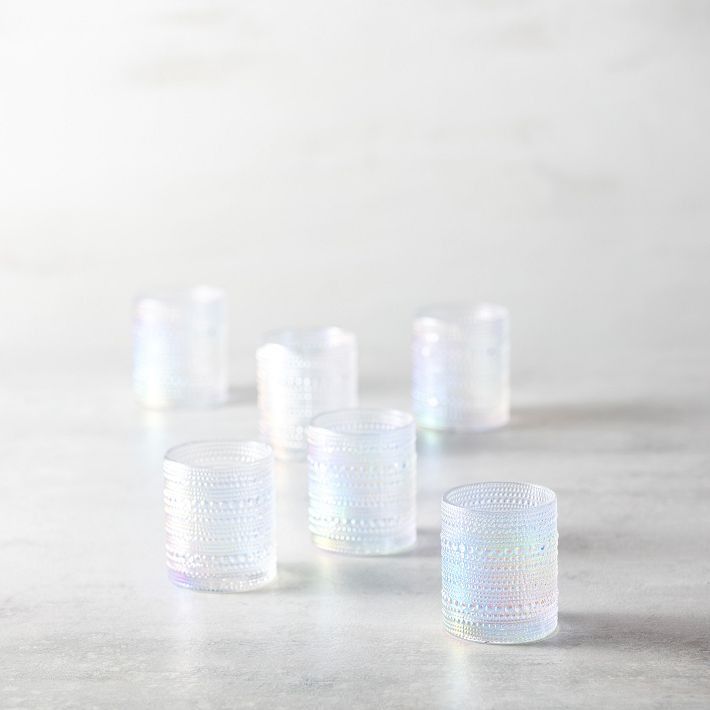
[
  {"x": 180, "y": 348},
  {"x": 461, "y": 367},
  {"x": 219, "y": 515},
  {"x": 362, "y": 481},
  {"x": 301, "y": 373},
  {"x": 499, "y": 562}
]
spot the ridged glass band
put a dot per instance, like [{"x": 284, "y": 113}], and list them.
[
  {"x": 460, "y": 367},
  {"x": 301, "y": 373},
  {"x": 180, "y": 348},
  {"x": 499, "y": 562},
  {"x": 219, "y": 515},
  {"x": 362, "y": 481}
]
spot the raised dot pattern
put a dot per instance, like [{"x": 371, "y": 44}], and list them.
[
  {"x": 499, "y": 562},
  {"x": 219, "y": 515},
  {"x": 362, "y": 481}
]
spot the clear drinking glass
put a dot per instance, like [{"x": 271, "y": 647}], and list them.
[
  {"x": 180, "y": 348},
  {"x": 461, "y": 367},
  {"x": 362, "y": 481},
  {"x": 499, "y": 562},
  {"x": 301, "y": 373},
  {"x": 220, "y": 515}
]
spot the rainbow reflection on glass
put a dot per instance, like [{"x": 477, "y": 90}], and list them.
[
  {"x": 220, "y": 515},
  {"x": 301, "y": 373},
  {"x": 499, "y": 562},
  {"x": 362, "y": 481},
  {"x": 180, "y": 348},
  {"x": 461, "y": 367}
]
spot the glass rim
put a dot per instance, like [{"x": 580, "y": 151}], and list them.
[
  {"x": 457, "y": 312},
  {"x": 263, "y": 453},
  {"x": 549, "y": 501},
  {"x": 201, "y": 294},
  {"x": 308, "y": 338},
  {"x": 406, "y": 421}
]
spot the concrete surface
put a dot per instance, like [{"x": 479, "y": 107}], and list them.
[
  {"x": 346, "y": 162},
  {"x": 90, "y": 620}
]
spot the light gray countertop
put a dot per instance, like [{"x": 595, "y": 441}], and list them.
[{"x": 90, "y": 620}]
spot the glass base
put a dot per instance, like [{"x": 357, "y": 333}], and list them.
[
  {"x": 222, "y": 584},
  {"x": 160, "y": 404},
  {"x": 283, "y": 454},
  {"x": 502, "y": 633},
  {"x": 473, "y": 426},
  {"x": 389, "y": 546}
]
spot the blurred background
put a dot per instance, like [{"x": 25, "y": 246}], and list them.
[{"x": 346, "y": 162}]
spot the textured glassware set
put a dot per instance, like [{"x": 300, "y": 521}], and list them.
[{"x": 498, "y": 540}]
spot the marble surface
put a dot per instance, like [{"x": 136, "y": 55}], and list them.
[{"x": 345, "y": 163}]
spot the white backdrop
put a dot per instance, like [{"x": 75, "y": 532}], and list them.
[{"x": 346, "y": 162}]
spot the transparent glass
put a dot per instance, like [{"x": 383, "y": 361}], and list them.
[
  {"x": 219, "y": 515},
  {"x": 301, "y": 373},
  {"x": 499, "y": 562},
  {"x": 461, "y": 367},
  {"x": 180, "y": 348},
  {"x": 362, "y": 481}
]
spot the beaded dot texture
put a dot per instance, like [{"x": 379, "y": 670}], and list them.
[
  {"x": 499, "y": 562},
  {"x": 362, "y": 481},
  {"x": 219, "y": 515},
  {"x": 180, "y": 348},
  {"x": 301, "y": 373},
  {"x": 460, "y": 367}
]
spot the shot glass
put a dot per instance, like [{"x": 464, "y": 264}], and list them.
[
  {"x": 180, "y": 348},
  {"x": 499, "y": 562},
  {"x": 461, "y": 367},
  {"x": 219, "y": 515},
  {"x": 362, "y": 481},
  {"x": 301, "y": 373}
]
